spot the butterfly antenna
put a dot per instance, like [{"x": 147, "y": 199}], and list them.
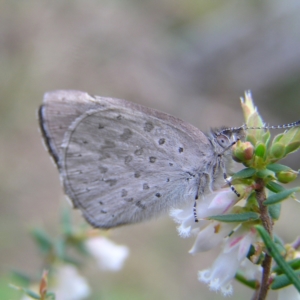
[
  {"x": 245, "y": 127},
  {"x": 283, "y": 126}
]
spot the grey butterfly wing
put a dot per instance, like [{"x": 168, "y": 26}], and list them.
[
  {"x": 60, "y": 108},
  {"x": 123, "y": 163}
]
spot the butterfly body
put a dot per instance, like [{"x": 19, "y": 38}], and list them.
[{"x": 123, "y": 163}]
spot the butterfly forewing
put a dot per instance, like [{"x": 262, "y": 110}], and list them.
[
  {"x": 123, "y": 163},
  {"x": 59, "y": 110}
]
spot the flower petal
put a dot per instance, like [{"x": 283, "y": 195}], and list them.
[
  {"x": 211, "y": 236},
  {"x": 70, "y": 285},
  {"x": 108, "y": 255}
]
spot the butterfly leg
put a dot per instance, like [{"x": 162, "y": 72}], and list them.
[
  {"x": 200, "y": 187},
  {"x": 195, "y": 211},
  {"x": 226, "y": 178}
]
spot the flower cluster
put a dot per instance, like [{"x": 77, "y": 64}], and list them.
[
  {"x": 236, "y": 238},
  {"x": 229, "y": 219}
]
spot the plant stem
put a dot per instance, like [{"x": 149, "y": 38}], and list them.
[{"x": 268, "y": 225}]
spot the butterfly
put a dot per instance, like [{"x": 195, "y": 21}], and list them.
[{"x": 122, "y": 163}]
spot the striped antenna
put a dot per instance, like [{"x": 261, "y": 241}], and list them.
[
  {"x": 289, "y": 125},
  {"x": 245, "y": 127}
]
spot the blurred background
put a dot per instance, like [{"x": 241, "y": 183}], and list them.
[{"x": 191, "y": 58}]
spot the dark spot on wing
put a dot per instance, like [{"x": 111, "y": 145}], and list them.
[
  {"x": 108, "y": 144},
  {"x": 148, "y": 126},
  {"x": 70, "y": 154},
  {"x": 138, "y": 151},
  {"x": 158, "y": 195},
  {"x": 124, "y": 193},
  {"x": 152, "y": 159},
  {"x": 180, "y": 149},
  {"x": 111, "y": 182},
  {"x": 137, "y": 174},
  {"x": 161, "y": 141},
  {"x": 191, "y": 174},
  {"x": 100, "y": 126},
  {"x": 85, "y": 142},
  {"x": 103, "y": 170},
  {"x": 140, "y": 205},
  {"x": 128, "y": 159},
  {"x": 146, "y": 186},
  {"x": 168, "y": 179},
  {"x": 100, "y": 202},
  {"x": 119, "y": 117},
  {"x": 170, "y": 164},
  {"x": 127, "y": 133},
  {"x": 128, "y": 199}
]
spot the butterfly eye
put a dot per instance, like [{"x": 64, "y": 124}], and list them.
[{"x": 223, "y": 140}]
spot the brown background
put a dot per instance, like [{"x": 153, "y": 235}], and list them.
[{"x": 193, "y": 59}]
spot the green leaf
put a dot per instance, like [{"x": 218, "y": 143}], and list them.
[
  {"x": 274, "y": 211},
  {"x": 66, "y": 221},
  {"x": 265, "y": 174},
  {"x": 60, "y": 247},
  {"x": 31, "y": 294},
  {"x": 242, "y": 217},
  {"x": 245, "y": 173},
  {"x": 50, "y": 296},
  {"x": 266, "y": 138},
  {"x": 275, "y": 187},
  {"x": 291, "y": 136},
  {"x": 280, "y": 246},
  {"x": 260, "y": 150},
  {"x": 294, "y": 263},
  {"x": 278, "y": 168},
  {"x": 275, "y": 198},
  {"x": 42, "y": 238},
  {"x": 282, "y": 281},
  {"x": 253, "y": 284},
  {"x": 273, "y": 251},
  {"x": 277, "y": 138},
  {"x": 277, "y": 150},
  {"x": 292, "y": 147},
  {"x": 26, "y": 291}
]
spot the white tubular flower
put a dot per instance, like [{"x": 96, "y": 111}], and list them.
[
  {"x": 289, "y": 292},
  {"x": 109, "y": 256},
  {"x": 250, "y": 270},
  {"x": 70, "y": 285},
  {"x": 211, "y": 236},
  {"x": 236, "y": 247},
  {"x": 215, "y": 203},
  {"x": 236, "y": 238}
]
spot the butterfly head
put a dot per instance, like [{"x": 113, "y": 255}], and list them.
[{"x": 224, "y": 138}]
